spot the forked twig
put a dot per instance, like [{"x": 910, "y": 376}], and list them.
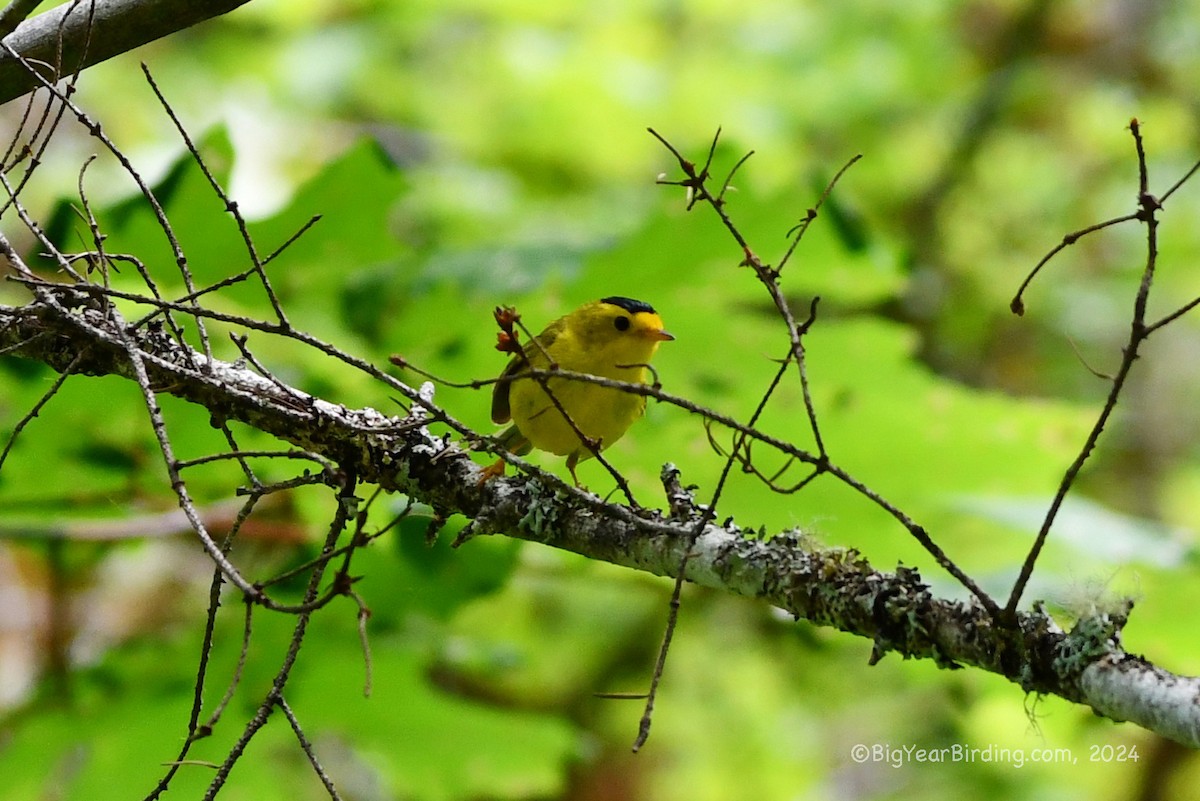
[
  {"x": 1147, "y": 213},
  {"x": 695, "y": 180},
  {"x": 231, "y": 206}
]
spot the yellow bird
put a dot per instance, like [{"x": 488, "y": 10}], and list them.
[{"x": 611, "y": 338}]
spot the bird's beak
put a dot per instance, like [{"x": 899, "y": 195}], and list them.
[{"x": 650, "y": 327}]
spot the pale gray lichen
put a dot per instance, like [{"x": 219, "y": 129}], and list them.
[
  {"x": 429, "y": 445},
  {"x": 543, "y": 508},
  {"x": 1090, "y": 639}
]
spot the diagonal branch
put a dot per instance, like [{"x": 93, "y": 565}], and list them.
[
  {"x": 829, "y": 587},
  {"x": 60, "y": 42}
]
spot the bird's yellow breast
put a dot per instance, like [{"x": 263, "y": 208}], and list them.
[{"x": 600, "y": 413}]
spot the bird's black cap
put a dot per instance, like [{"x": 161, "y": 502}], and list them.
[{"x": 629, "y": 304}]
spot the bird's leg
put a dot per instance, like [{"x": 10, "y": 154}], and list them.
[
  {"x": 572, "y": 461},
  {"x": 589, "y": 449}
]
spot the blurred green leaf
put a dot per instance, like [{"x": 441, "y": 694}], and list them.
[{"x": 1091, "y": 531}]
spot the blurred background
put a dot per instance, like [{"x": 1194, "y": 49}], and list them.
[{"x": 467, "y": 154}]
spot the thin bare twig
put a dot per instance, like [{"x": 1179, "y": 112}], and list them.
[
  {"x": 1148, "y": 208},
  {"x": 696, "y": 180},
  {"x": 307, "y": 748},
  {"x": 230, "y": 205},
  {"x": 345, "y": 509},
  {"x": 37, "y": 407},
  {"x": 1017, "y": 305},
  {"x": 94, "y": 128},
  {"x": 696, "y": 183}
]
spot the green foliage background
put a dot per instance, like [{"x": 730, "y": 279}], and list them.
[{"x": 468, "y": 154}]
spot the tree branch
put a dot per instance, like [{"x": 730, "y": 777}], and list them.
[
  {"x": 81, "y": 33},
  {"x": 829, "y": 587}
]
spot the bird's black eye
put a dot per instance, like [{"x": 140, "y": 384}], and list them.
[{"x": 622, "y": 323}]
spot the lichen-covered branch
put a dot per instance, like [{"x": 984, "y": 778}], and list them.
[{"x": 829, "y": 587}]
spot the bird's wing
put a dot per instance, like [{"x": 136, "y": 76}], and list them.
[
  {"x": 535, "y": 356},
  {"x": 500, "y": 410}
]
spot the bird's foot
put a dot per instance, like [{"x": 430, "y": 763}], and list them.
[{"x": 491, "y": 471}]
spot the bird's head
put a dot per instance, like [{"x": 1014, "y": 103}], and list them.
[{"x": 629, "y": 329}]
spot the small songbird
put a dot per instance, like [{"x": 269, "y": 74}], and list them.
[{"x": 612, "y": 338}]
